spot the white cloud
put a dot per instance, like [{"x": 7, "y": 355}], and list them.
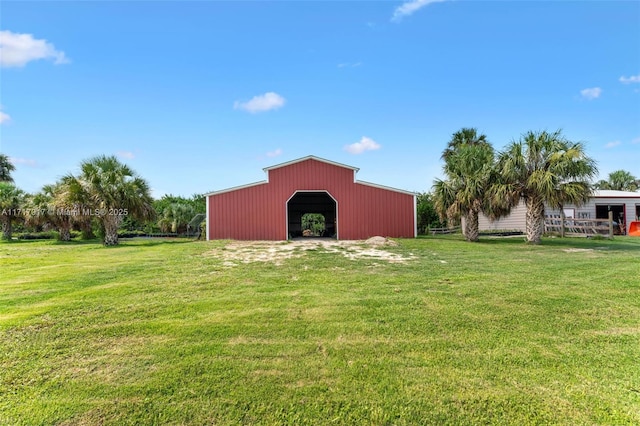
[
  {"x": 26, "y": 161},
  {"x": 635, "y": 141},
  {"x": 591, "y": 93},
  {"x": 18, "y": 49},
  {"x": 266, "y": 102},
  {"x": 4, "y": 117},
  {"x": 631, "y": 79},
  {"x": 275, "y": 153},
  {"x": 365, "y": 144},
  {"x": 612, "y": 144},
  {"x": 409, "y": 7},
  {"x": 126, "y": 154}
]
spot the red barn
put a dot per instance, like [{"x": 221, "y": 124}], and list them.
[{"x": 273, "y": 209}]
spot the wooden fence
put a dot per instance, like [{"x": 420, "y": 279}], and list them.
[
  {"x": 561, "y": 225},
  {"x": 452, "y": 230}
]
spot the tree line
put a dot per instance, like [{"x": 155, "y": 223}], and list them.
[{"x": 106, "y": 197}]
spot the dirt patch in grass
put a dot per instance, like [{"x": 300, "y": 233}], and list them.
[{"x": 239, "y": 252}]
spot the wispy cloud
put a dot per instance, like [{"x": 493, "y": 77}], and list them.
[
  {"x": 591, "y": 93},
  {"x": 630, "y": 79},
  {"x": 260, "y": 103},
  {"x": 18, "y": 49},
  {"x": 349, "y": 64},
  {"x": 635, "y": 141},
  {"x": 126, "y": 154},
  {"x": 24, "y": 161},
  {"x": 4, "y": 117},
  {"x": 275, "y": 153},
  {"x": 612, "y": 144},
  {"x": 365, "y": 144},
  {"x": 410, "y": 7}
]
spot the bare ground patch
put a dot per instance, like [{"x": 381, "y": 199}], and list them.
[{"x": 239, "y": 252}]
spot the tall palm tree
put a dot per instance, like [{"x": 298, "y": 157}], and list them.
[
  {"x": 620, "y": 180},
  {"x": 5, "y": 169},
  {"x": 464, "y": 136},
  {"x": 114, "y": 191},
  {"x": 543, "y": 169},
  {"x": 469, "y": 160},
  {"x": 11, "y": 199}
]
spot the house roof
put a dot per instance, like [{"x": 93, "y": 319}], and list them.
[
  {"x": 310, "y": 157},
  {"x": 609, "y": 193}
]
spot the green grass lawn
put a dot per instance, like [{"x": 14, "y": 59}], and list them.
[{"x": 169, "y": 332}]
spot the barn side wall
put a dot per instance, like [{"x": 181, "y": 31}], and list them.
[
  {"x": 517, "y": 219},
  {"x": 588, "y": 210}
]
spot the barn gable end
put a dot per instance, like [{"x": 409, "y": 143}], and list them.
[{"x": 262, "y": 210}]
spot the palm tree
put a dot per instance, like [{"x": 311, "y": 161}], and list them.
[
  {"x": 11, "y": 199},
  {"x": 176, "y": 217},
  {"x": 543, "y": 169},
  {"x": 52, "y": 206},
  {"x": 113, "y": 191},
  {"x": 620, "y": 180},
  {"x": 5, "y": 169},
  {"x": 74, "y": 193},
  {"x": 464, "y": 136},
  {"x": 469, "y": 160}
]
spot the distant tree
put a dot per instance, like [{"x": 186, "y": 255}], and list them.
[
  {"x": 11, "y": 199},
  {"x": 5, "y": 169},
  {"x": 74, "y": 192},
  {"x": 426, "y": 213},
  {"x": 199, "y": 203},
  {"x": 543, "y": 169},
  {"x": 314, "y": 222},
  {"x": 176, "y": 217},
  {"x": 194, "y": 205},
  {"x": 52, "y": 206},
  {"x": 469, "y": 161},
  {"x": 620, "y": 180}
]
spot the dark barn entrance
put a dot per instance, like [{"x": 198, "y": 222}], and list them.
[{"x": 303, "y": 202}]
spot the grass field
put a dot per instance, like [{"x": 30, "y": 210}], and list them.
[{"x": 180, "y": 332}]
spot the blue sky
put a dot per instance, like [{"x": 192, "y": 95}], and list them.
[{"x": 200, "y": 96}]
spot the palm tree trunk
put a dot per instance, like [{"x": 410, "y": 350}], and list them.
[
  {"x": 111, "y": 224},
  {"x": 7, "y": 230},
  {"x": 65, "y": 230},
  {"x": 87, "y": 229},
  {"x": 535, "y": 220},
  {"x": 471, "y": 232}
]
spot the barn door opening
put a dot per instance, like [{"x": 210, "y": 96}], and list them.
[
  {"x": 619, "y": 219},
  {"x": 319, "y": 210}
]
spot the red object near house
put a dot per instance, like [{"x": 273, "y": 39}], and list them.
[{"x": 273, "y": 209}]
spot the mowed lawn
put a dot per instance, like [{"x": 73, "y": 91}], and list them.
[{"x": 173, "y": 332}]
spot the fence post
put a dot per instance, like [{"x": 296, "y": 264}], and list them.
[
  {"x": 610, "y": 224},
  {"x": 562, "y": 219}
]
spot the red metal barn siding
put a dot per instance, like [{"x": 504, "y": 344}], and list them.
[
  {"x": 369, "y": 211},
  {"x": 260, "y": 212},
  {"x": 245, "y": 214}
]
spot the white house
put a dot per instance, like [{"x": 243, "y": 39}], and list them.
[{"x": 625, "y": 206}]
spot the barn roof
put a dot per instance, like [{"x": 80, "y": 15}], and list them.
[
  {"x": 310, "y": 157},
  {"x": 610, "y": 193}
]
